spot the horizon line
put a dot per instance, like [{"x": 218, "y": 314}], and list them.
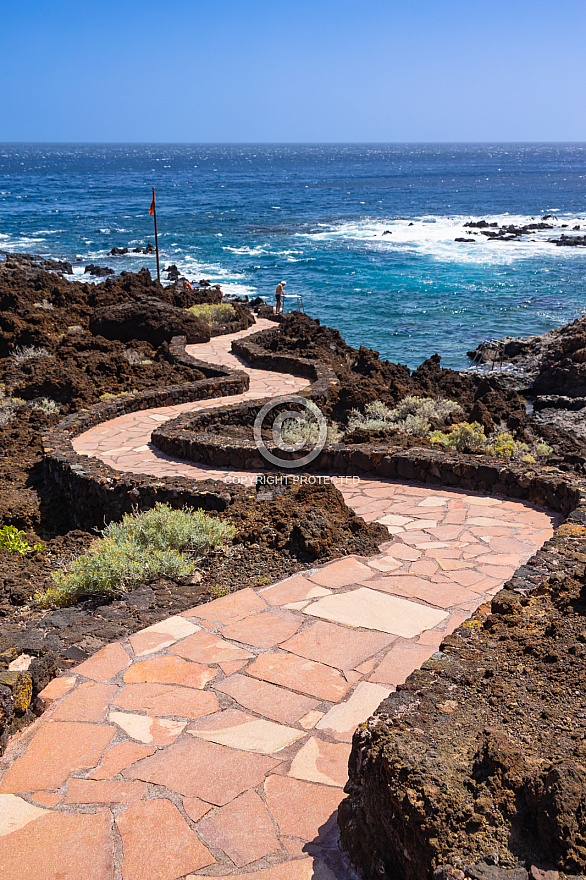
[{"x": 291, "y": 143}]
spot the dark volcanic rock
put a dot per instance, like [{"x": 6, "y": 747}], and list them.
[
  {"x": 150, "y": 320},
  {"x": 98, "y": 271},
  {"x": 551, "y": 365},
  {"x": 569, "y": 240}
]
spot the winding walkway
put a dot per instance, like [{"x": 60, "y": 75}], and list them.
[{"x": 215, "y": 743}]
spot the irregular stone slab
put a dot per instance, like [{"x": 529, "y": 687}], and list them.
[
  {"x": 88, "y": 702},
  {"x": 229, "y": 608},
  {"x": 300, "y": 869},
  {"x": 170, "y": 670},
  {"x": 158, "y": 844},
  {"x": 240, "y": 731},
  {"x": 119, "y": 757},
  {"x": 296, "y": 589},
  {"x": 164, "y": 699},
  {"x": 89, "y": 791},
  {"x": 154, "y": 731},
  {"x": 195, "y": 808},
  {"x": 232, "y": 666},
  {"x": 57, "y": 750},
  {"x": 320, "y": 761},
  {"x": 266, "y": 699},
  {"x": 342, "y": 720},
  {"x": 341, "y": 573},
  {"x": 15, "y": 813},
  {"x": 105, "y": 664},
  {"x": 301, "y": 809},
  {"x": 300, "y": 674},
  {"x": 57, "y": 687},
  {"x": 177, "y": 627},
  {"x": 144, "y": 643},
  {"x": 205, "y": 770},
  {"x": 310, "y": 720},
  {"x": 243, "y": 830},
  {"x": 204, "y": 647},
  {"x": 67, "y": 846},
  {"x": 265, "y": 630},
  {"x": 161, "y": 635},
  {"x": 401, "y": 661},
  {"x": 374, "y": 610},
  {"x": 336, "y": 645},
  {"x": 435, "y": 593},
  {"x": 47, "y": 798}
]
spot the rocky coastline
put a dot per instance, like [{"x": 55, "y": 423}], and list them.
[
  {"x": 550, "y": 370},
  {"x": 474, "y": 767}
]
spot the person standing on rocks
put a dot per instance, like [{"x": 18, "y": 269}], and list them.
[{"x": 280, "y": 295}]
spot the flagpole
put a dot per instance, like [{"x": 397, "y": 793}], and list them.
[{"x": 156, "y": 237}]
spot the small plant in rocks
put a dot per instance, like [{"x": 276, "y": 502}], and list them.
[
  {"x": 162, "y": 542},
  {"x": 464, "y": 437},
  {"x": 412, "y": 415},
  {"x": 133, "y": 357},
  {"x": 44, "y": 404},
  {"x": 27, "y": 352},
  {"x": 15, "y": 541},
  {"x": 295, "y": 431},
  {"x": 470, "y": 437},
  {"x": 220, "y": 313}
]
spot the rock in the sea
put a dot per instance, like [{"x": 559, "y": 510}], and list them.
[
  {"x": 98, "y": 271},
  {"x": 569, "y": 240},
  {"x": 172, "y": 272},
  {"x": 150, "y": 320},
  {"x": 118, "y": 252}
]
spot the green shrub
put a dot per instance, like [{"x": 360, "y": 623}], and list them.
[
  {"x": 296, "y": 430},
  {"x": 218, "y": 591},
  {"x": 162, "y": 542},
  {"x": 504, "y": 445},
  {"x": 412, "y": 415},
  {"x": 14, "y": 540},
  {"x": 163, "y": 528},
  {"x": 470, "y": 437},
  {"x": 44, "y": 404},
  {"x": 463, "y": 437},
  {"x": 222, "y": 313}
]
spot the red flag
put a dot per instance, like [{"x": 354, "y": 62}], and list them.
[{"x": 152, "y": 207}]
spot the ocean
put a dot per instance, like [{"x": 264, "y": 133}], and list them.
[{"x": 249, "y": 216}]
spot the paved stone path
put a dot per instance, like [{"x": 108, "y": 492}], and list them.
[{"x": 215, "y": 743}]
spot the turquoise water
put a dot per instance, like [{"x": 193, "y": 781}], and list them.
[{"x": 314, "y": 215}]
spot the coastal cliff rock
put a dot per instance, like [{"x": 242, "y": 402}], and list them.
[
  {"x": 148, "y": 319},
  {"x": 551, "y": 368}
]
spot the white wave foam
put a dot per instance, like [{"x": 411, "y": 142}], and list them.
[
  {"x": 246, "y": 251},
  {"x": 434, "y": 236}
]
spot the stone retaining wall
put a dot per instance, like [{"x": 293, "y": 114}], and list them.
[
  {"x": 544, "y": 486},
  {"x": 96, "y": 493}
]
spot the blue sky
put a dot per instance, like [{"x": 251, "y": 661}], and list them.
[{"x": 301, "y": 71}]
